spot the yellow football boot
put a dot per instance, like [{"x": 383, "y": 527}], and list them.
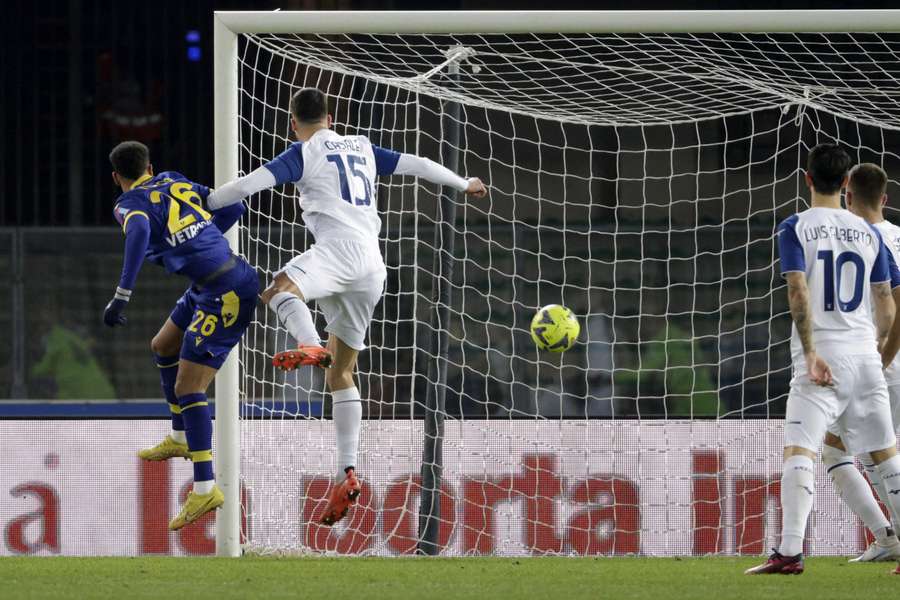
[
  {"x": 196, "y": 506},
  {"x": 166, "y": 449}
]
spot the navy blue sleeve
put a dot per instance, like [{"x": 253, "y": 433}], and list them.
[
  {"x": 789, "y": 249},
  {"x": 881, "y": 269},
  {"x": 227, "y": 216},
  {"x": 385, "y": 160},
  {"x": 137, "y": 238},
  {"x": 287, "y": 167},
  {"x": 894, "y": 271}
]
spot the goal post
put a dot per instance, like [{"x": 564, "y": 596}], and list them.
[{"x": 637, "y": 179}]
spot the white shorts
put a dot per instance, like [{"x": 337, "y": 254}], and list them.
[
  {"x": 894, "y": 394},
  {"x": 856, "y": 407},
  {"x": 346, "y": 279}
]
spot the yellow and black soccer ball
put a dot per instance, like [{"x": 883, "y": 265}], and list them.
[{"x": 554, "y": 328}]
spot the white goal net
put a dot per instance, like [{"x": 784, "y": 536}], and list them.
[{"x": 635, "y": 178}]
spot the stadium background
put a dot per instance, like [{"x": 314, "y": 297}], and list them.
[{"x": 81, "y": 76}]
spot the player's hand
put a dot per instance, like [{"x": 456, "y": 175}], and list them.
[
  {"x": 476, "y": 188},
  {"x": 112, "y": 315},
  {"x": 818, "y": 370}
]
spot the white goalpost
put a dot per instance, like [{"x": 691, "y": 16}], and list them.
[{"x": 638, "y": 163}]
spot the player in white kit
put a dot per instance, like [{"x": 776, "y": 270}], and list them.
[
  {"x": 343, "y": 271},
  {"x": 865, "y": 197},
  {"x": 837, "y": 272}
]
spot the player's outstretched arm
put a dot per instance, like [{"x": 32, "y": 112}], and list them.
[
  {"x": 242, "y": 187},
  {"x": 419, "y": 166},
  {"x": 798, "y": 298},
  {"x": 137, "y": 238}
]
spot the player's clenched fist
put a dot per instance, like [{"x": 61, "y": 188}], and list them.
[
  {"x": 476, "y": 188},
  {"x": 112, "y": 315}
]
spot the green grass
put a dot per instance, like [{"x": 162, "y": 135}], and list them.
[{"x": 427, "y": 579}]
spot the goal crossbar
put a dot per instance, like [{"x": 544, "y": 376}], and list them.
[{"x": 626, "y": 21}]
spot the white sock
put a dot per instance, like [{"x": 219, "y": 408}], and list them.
[
  {"x": 889, "y": 472},
  {"x": 204, "y": 487},
  {"x": 178, "y": 436},
  {"x": 295, "y": 316},
  {"x": 878, "y": 484},
  {"x": 854, "y": 490},
  {"x": 346, "y": 410},
  {"x": 798, "y": 491}
]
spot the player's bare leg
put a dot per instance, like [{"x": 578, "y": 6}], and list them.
[
  {"x": 854, "y": 490},
  {"x": 166, "y": 345},
  {"x": 346, "y": 408},
  {"x": 190, "y": 387},
  {"x": 284, "y": 297}
]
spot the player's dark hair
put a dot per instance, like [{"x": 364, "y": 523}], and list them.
[
  {"x": 130, "y": 159},
  {"x": 868, "y": 182},
  {"x": 309, "y": 105},
  {"x": 827, "y": 165}
]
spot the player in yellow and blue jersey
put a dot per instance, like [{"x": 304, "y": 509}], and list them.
[{"x": 165, "y": 222}]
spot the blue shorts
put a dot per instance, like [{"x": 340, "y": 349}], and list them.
[{"x": 215, "y": 317}]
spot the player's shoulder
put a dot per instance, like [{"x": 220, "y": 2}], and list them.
[
  {"x": 790, "y": 222},
  {"x": 167, "y": 176},
  {"x": 133, "y": 198},
  {"x": 888, "y": 228}
]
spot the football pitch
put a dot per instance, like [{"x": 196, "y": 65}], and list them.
[{"x": 421, "y": 578}]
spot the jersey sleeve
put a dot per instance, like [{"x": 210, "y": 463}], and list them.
[
  {"x": 137, "y": 238},
  {"x": 128, "y": 208},
  {"x": 224, "y": 218},
  {"x": 881, "y": 271},
  {"x": 385, "y": 160},
  {"x": 287, "y": 167},
  {"x": 894, "y": 271},
  {"x": 790, "y": 251}
]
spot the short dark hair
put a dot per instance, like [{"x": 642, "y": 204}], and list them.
[
  {"x": 868, "y": 182},
  {"x": 827, "y": 165},
  {"x": 309, "y": 105},
  {"x": 130, "y": 159}
]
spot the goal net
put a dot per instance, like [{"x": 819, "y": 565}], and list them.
[{"x": 635, "y": 178}]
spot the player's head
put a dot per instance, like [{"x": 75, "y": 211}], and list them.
[
  {"x": 130, "y": 161},
  {"x": 826, "y": 169},
  {"x": 866, "y": 188},
  {"x": 309, "y": 111}
]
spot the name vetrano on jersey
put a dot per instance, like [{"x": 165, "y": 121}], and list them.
[
  {"x": 841, "y": 234},
  {"x": 188, "y": 233}
]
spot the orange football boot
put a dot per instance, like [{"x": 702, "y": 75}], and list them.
[
  {"x": 343, "y": 496},
  {"x": 315, "y": 356}
]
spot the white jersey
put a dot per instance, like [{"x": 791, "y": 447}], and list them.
[
  {"x": 336, "y": 176},
  {"x": 890, "y": 233},
  {"x": 841, "y": 256}
]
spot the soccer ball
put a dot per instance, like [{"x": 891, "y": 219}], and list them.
[{"x": 554, "y": 328}]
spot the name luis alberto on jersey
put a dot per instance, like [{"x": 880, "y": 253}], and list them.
[
  {"x": 841, "y": 234},
  {"x": 188, "y": 233}
]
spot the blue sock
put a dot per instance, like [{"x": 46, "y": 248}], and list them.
[
  {"x": 198, "y": 429},
  {"x": 168, "y": 371}
]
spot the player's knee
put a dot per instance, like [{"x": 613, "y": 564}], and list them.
[
  {"x": 832, "y": 456},
  {"x": 338, "y": 379},
  {"x": 160, "y": 346},
  {"x": 280, "y": 284},
  {"x": 879, "y": 456}
]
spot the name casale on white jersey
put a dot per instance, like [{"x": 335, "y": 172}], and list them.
[{"x": 188, "y": 233}]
